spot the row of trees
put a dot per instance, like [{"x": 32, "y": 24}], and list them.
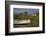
[{"x": 23, "y": 16}]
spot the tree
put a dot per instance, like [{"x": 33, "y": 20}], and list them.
[
  {"x": 25, "y": 12},
  {"x": 37, "y": 14}
]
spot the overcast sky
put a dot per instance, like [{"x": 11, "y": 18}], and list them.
[{"x": 22, "y": 10}]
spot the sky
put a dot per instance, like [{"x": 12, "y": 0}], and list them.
[{"x": 22, "y": 10}]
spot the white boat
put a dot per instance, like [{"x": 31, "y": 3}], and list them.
[{"x": 21, "y": 21}]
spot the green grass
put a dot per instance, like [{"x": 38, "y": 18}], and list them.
[{"x": 34, "y": 20}]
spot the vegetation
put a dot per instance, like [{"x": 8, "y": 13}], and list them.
[
  {"x": 22, "y": 16},
  {"x": 34, "y": 20}
]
